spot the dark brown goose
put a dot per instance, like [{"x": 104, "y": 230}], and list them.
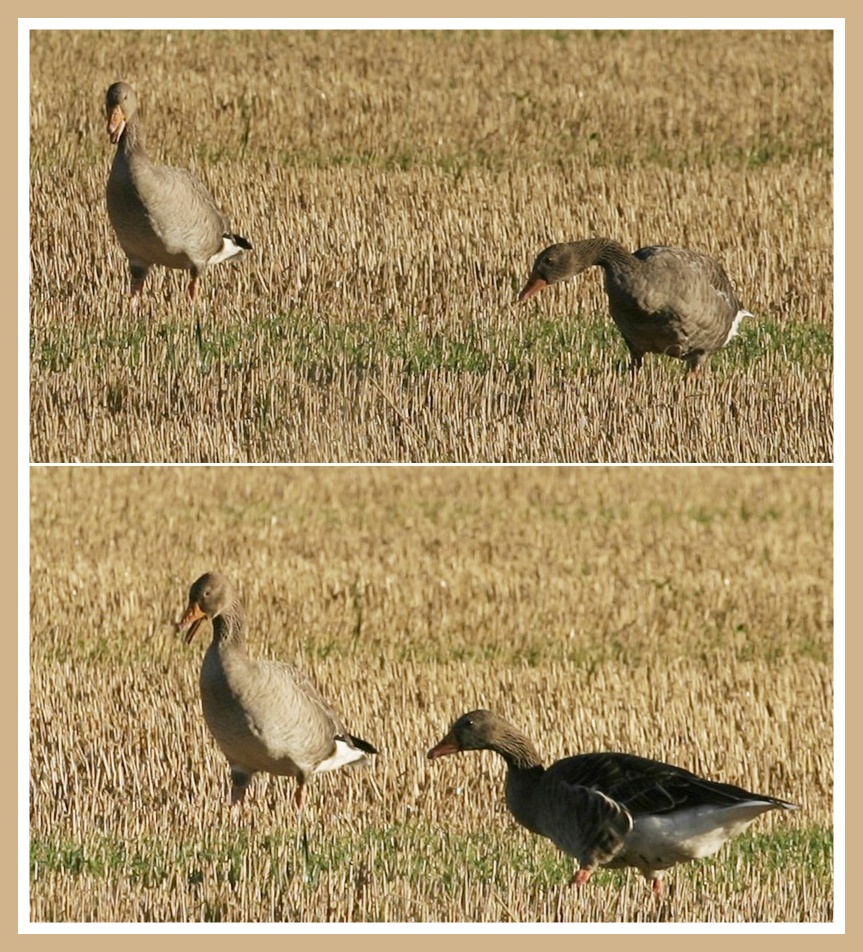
[
  {"x": 264, "y": 715},
  {"x": 663, "y": 300},
  {"x": 161, "y": 215},
  {"x": 609, "y": 809}
]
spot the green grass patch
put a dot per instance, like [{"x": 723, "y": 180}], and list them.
[
  {"x": 322, "y": 348},
  {"x": 409, "y": 852}
]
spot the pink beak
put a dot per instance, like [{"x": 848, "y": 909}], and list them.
[{"x": 533, "y": 286}]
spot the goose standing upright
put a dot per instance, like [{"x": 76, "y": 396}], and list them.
[
  {"x": 663, "y": 300},
  {"x": 610, "y": 809},
  {"x": 264, "y": 715},
  {"x": 161, "y": 215}
]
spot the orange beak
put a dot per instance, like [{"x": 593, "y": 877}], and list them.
[
  {"x": 116, "y": 124},
  {"x": 533, "y": 286},
  {"x": 190, "y": 622},
  {"x": 449, "y": 745}
]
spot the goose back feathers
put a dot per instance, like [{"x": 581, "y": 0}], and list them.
[
  {"x": 264, "y": 715},
  {"x": 161, "y": 215},
  {"x": 610, "y": 809},
  {"x": 663, "y": 300}
]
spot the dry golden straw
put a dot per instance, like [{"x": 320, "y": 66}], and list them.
[
  {"x": 676, "y": 613},
  {"x": 395, "y": 188}
]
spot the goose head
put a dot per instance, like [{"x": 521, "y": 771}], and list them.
[
  {"x": 209, "y": 597},
  {"x": 558, "y": 263},
  {"x": 120, "y": 106},
  {"x": 476, "y": 730}
]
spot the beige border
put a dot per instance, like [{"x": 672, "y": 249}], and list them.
[{"x": 388, "y": 9}]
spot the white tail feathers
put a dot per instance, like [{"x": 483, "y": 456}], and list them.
[{"x": 233, "y": 246}]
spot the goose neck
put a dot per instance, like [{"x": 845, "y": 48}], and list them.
[
  {"x": 229, "y": 628},
  {"x": 605, "y": 252},
  {"x": 132, "y": 138},
  {"x": 518, "y": 752}
]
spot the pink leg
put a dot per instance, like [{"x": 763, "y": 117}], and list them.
[
  {"x": 658, "y": 888},
  {"x": 193, "y": 287},
  {"x": 580, "y": 877},
  {"x": 298, "y": 796}
]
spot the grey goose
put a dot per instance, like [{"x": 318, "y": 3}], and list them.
[
  {"x": 610, "y": 809},
  {"x": 264, "y": 715},
  {"x": 161, "y": 215},
  {"x": 663, "y": 300}
]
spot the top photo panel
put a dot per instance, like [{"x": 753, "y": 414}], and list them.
[{"x": 431, "y": 247}]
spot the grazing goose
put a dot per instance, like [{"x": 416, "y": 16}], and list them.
[
  {"x": 611, "y": 810},
  {"x": 663, "y": 300},
  {"x": 161, "y": 215},
  {"x": 265, "y": 715}
]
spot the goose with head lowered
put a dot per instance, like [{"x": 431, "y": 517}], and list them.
[
  {"x": 264, "y": 715},
  {"x": 161, "y": 215},
  {"x": 663, "y": 300},
  {"x": 609, "y": 809}
]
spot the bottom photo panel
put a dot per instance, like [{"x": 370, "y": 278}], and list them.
[{"x": 431, "y": 694}]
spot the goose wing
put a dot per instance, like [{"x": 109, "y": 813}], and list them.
[
  {"x": 181, "y": 210},
  {"x": 693, "y": 287},
  {"x": 582, "y": 821},
  {"x": 318, "y": 713},
  {"x": 643, "y": 786}
]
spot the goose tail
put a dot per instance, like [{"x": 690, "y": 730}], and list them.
[{"x": 233, "y": 246}]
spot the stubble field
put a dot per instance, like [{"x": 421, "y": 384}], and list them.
[
  {"x": 396, "y": 188},
  {"x": 682, "y": 614}
]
